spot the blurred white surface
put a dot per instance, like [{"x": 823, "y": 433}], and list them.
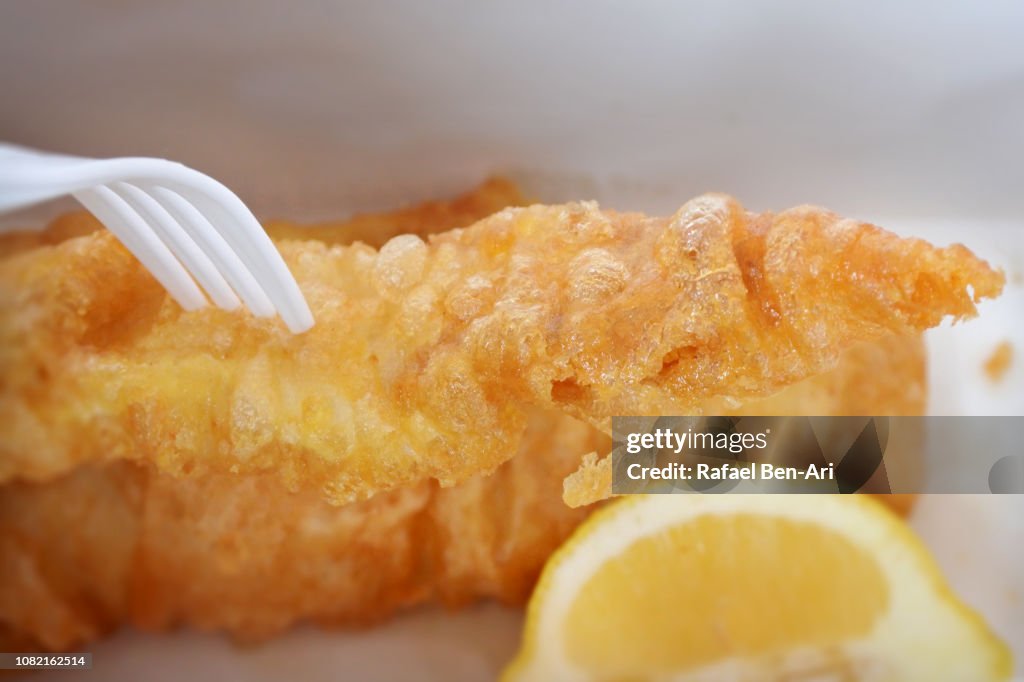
[
  {"x": 904, "y": 109},
  {"x": 908, "y": 114},
  {"x": 466, "y": 646}
]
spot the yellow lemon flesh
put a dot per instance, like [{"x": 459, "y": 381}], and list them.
[{"x": 746, "y": 587}]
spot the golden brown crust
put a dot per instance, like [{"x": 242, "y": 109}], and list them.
[
  {"x": 239, "y": 553},
  {"x": 88, "y": 551},
  {"x": 886, "y": 377},
  {"x": 65, "y": 552},
  {"x": 426, "y": 358},
  {"x": 123, "y": 542},
  {"x": 590, "y": 483}
]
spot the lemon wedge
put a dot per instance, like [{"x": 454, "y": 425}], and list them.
[{"x": 750, "y": 587}]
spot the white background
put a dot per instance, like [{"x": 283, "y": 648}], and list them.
[{"x": 910, "y": 114}]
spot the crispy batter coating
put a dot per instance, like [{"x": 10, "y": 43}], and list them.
[
  {"x": 239, "y": 552},
  {"x": 427, "y": 358},
  {"x": 885, "y": 377},
  {"x": 487, "y": 537},
  {"x": 122, "y": 542},
  {"x": 66, "y": 549}
]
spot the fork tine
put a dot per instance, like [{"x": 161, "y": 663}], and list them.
[
  {"x": 180, "y": 244},
  {"x": 137, "y": 236},
  {"x": 214, "y": 245},
  {"x": 240, "y": 229}
]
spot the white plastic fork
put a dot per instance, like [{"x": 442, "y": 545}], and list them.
[{"x": 179, "y": 223}]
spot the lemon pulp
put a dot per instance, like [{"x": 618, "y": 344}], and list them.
[{"x": 670, "y": 602}]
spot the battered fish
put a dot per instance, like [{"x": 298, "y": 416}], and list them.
[
  {"x": 427, "y": 359},
  {"x": 240, "y": 552}
]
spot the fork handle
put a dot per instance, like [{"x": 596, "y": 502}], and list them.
[{"x": 29, "y": 177}]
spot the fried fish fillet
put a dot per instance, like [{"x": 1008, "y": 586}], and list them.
[
  {"x": 239, "y": 552},
  {"x": 242, "y": 554},
  {"x": 108, "y": 515},
  {"x": 211, "y": 549},
  {"x": 427, "y": 359}
]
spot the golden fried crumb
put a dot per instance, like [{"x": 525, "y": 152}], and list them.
[
  {"x": 590, "y": 483},
  {"x": 999, "y": 362}
]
